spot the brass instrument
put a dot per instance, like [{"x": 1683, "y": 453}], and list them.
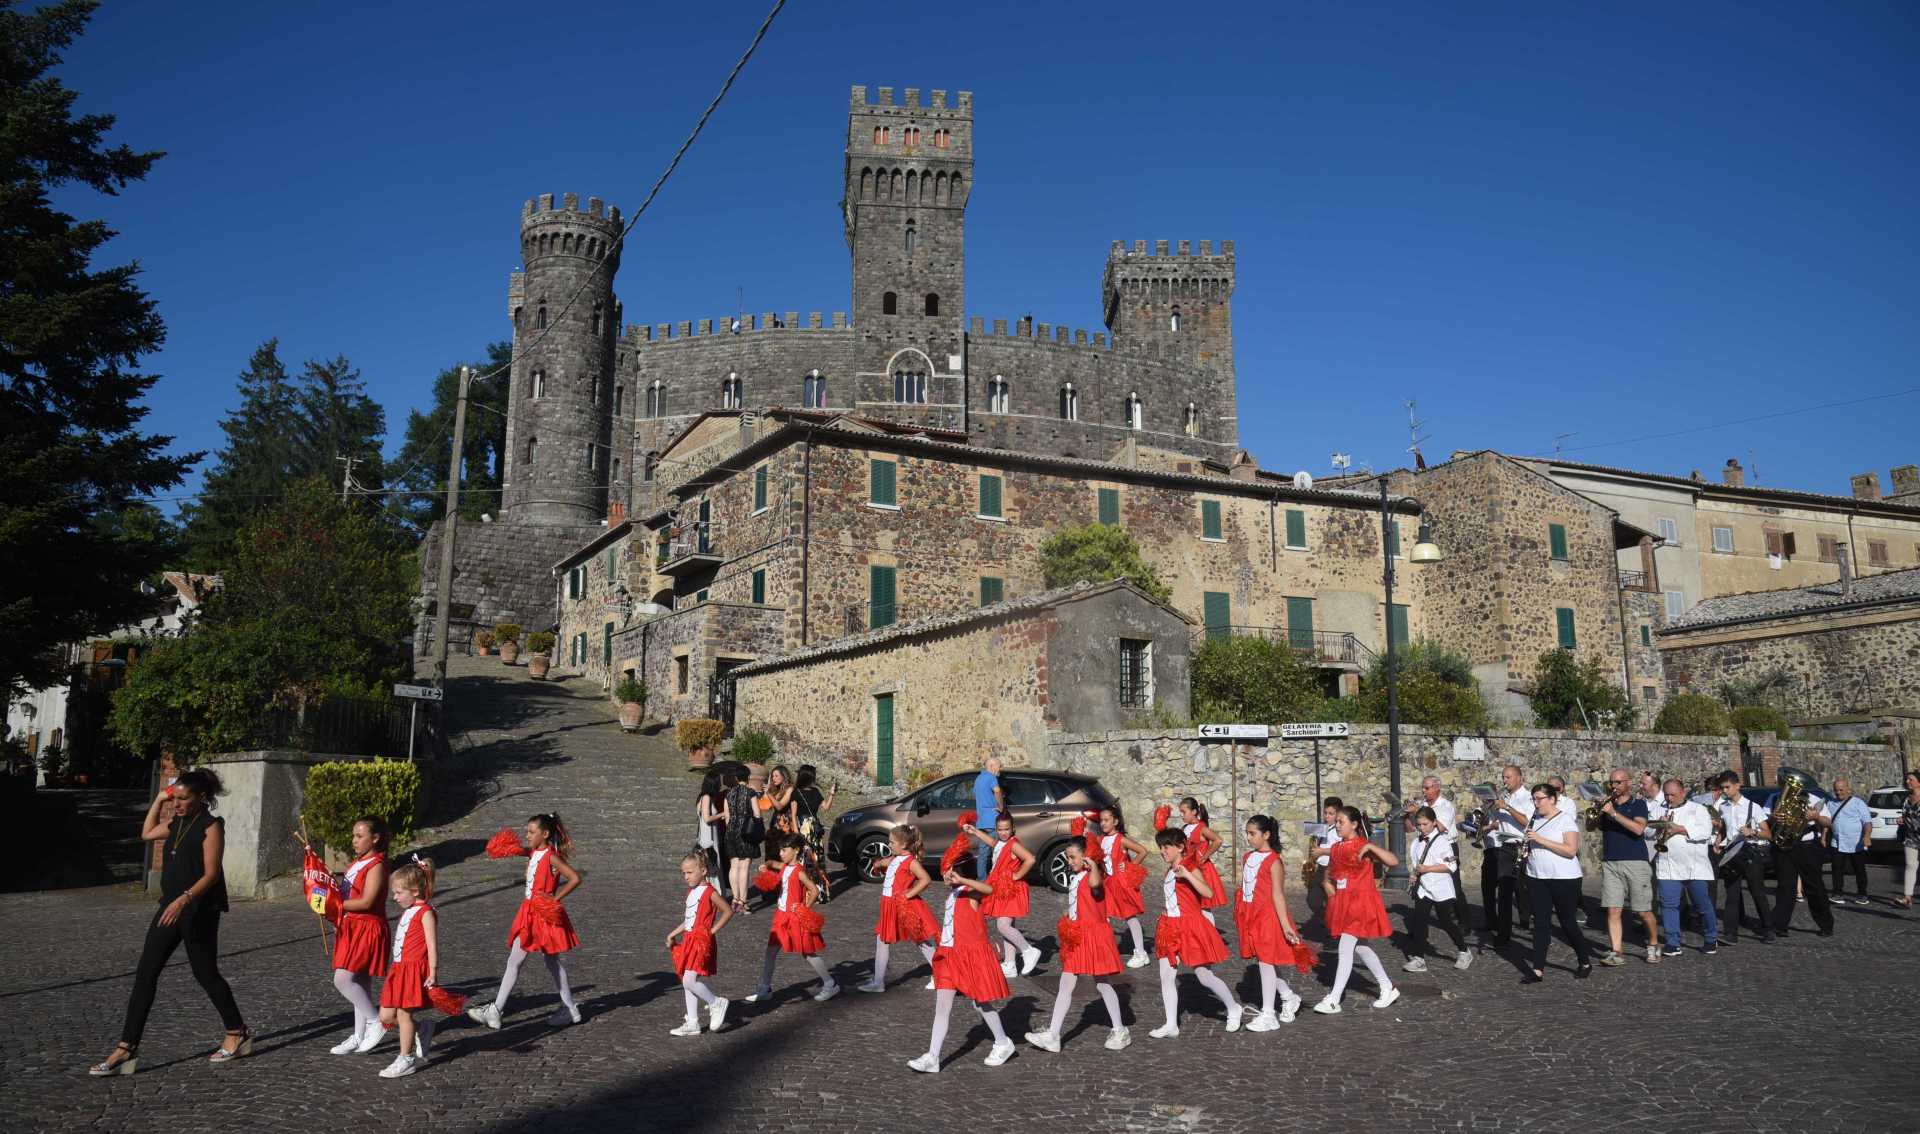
[
  {"x": 1479, "y": 821},
  {"x": 1595, "y": 797},
  {"x": 1797, "y": 790}
]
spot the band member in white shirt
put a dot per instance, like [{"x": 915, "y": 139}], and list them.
[
  {"x": 1801, "y": 868},
  {"x": 1683, "y": 863},
  {"x": 1431, "y": 867},
  {"x": 1430, "y": 797},
  {"x": 1746, "y": 852},
  {"x": 1553, "y": 881},
  {"x": 1315, "y": 871},
  {"x": 1499, "y": 867}
]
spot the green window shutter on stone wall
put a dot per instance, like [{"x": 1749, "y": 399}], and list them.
[
  {"x": 1557, "y": 540},
  {"x": 1646, "y": 636},
  {"x": 1563, "y": 617},
  {"x": 880, "y": 597},
  {"x": 1110, "y": 506},
  {"x": 606, "y": 645},
  {"x": 1397, "y": 625},
  {"x": 760, "y": 488},
  {"x": 880, "y": 483},
  {"x": 883, "y": 738},
  {"x": 1210, "y": 519},
  {"x": 1216, "y": 610},
  {"x": 1300, "y": 623},
  {"x": 992, "y": 590},
  {"x": 760, "y": 586},
  {"x": 1296, "y": 528},
  {"x": 990, "y": 496}
]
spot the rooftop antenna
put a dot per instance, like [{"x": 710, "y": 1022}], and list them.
[
  {"x": 1559, "y": 437},
  {"x": 739, "y": 306},
  {"x": 1753, "y": 467},
  {"x": 1414, "y": 425}
]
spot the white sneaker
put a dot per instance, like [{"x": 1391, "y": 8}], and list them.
[
  {"x": 717, "y": 1012},
  {"x": 371, "y": 1038},
  {"x": 1328, "y": 1007},
  {"x": 686, "y": 1028},
  {"x": 563, "y": 1016},
  {"x": 1289, "y": 1008},
  {"x": 1118, "y": 1038},
  {"x": 487, "y": 1014},
  {"x": 1045, "y": 1041},
  {"x": 1416, "y": 965},
  {"x": 1009, "y": 970},
  {"x": 1653, "y": 954},
  {"x": 1263, "y": 1022},
  {"x": 1166, "y": 1031},
  {"x": 1234, "y": 1013},
  {"x": 870, "y": 986},
  {"x": 1000, "y": 1054},
  {"x": 827, "y": 992},
  {"x": 931, "y": 984},
  {"x": 1386, "y": 999},
  {"x": 1029, "y": 959},
  {"x": 1139, "y": 960},
  {"x": 928, "y": 1064},
  {"x": 346, "y": 1046},
  {"x": 402, "y": 1064},
  {"x": 423, "y": 1038},
  {"x": 1464, "y": 960},
  {"x": 759, "y": 994}
]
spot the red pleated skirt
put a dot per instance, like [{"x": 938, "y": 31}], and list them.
[
  {"x": 695, "y": 953},
  {"x": 1087, "y": 950},
  {"x": 1009, "y": 899},
  {"x": 1358, "y": 910},
  {"x": 1123, "y": 893},
  {"x": 797, "y": 930},
  {"x": 1260, "y": 935},
  {"x": 972, "y": 971},
  {"x": 1221, "y": 895},
  {"x": 1191, "y": 941},
  {"x": 539, "y": 932},
  {"x": 904, "y": 919},
  {"x": 363, "y": 944},
  {"x": 405, "y": 986}
]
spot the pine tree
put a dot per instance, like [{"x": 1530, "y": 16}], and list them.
[
  {"x": 422, "y": 461},
  {"x": 71, "y": 454},
  {"x": 252, "y": 469}
]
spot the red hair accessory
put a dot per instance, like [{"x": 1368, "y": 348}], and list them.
[
  {"x": 547, "y": 909},
  {"x": 1160, "y": 816},
  {"x": 452, "y": 1003},
  {"x": 1067, "y": 933},
  {"x": 1306, "y": 957},
  {"x": 767, "y": 881},
  {"x": 506, "y": 844}
]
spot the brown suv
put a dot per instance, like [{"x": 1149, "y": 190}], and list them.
[{"x": 1043, "y": 806}]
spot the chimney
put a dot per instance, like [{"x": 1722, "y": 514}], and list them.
[
  {"x": 616, "y": 513},
  {"x": 1244, "y": 467},
  {"x": 1846, "y": 570},
  {"x": 1733, "y": 475},
  {"x": 1906, "y": 484},
  {"x": 1696, "y": 477},
  {"x": 1866, "y": 486}
]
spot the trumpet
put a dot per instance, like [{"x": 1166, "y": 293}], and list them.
[{"x": 1595, "y": 797}]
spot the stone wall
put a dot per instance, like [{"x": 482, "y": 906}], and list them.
[
  {"x": 704, "y": 634},
  {"x": 1646, "y": 612},
  {"x": 504, "y": 570},
  {"x": 1850, "y": 663}
]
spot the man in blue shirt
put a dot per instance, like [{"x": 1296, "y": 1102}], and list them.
[
  {"x": 988, "y": 800},
  {"x": 1852, "y": 834},
  {"x": 1626, "y": 877}
]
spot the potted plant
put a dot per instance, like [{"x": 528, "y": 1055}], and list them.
[
  {"x": 482, "y": 643},
  {"x": 632, "y": 696},
  {"x": 507, "y": 634},
  {"x": 539, "y": 647},
  {"x": 698, "y": 738}
]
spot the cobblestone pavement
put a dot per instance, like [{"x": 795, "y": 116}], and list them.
[{"x": 1814, "y": 1034}]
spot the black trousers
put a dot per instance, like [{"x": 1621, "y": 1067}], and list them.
[
  {"x": 1425, "y": 909},
  {"x": 1850, "y": 860},
  {"x": 199, "y": 931},
  {"x": 1497, "y": 869},
  {"x": 1556, "y": 899},
  {"x": 1749, "y": 876},
  {"x": 1802, "y": 866}
]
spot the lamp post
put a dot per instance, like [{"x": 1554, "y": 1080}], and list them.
[{"x": 1424, "y": 551}]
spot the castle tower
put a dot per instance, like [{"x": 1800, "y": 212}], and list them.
[
  {"x": 559, "y": 454},
  {"x": 1179, "y": 306},
  {"x": 909, "y": 171}
]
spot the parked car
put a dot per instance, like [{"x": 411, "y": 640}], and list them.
[
  {"x": 1885, "y": 803},
  {"x": 1043, "y": 805}
]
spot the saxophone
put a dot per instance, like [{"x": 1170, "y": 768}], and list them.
[{"x": 1789, "y": 821}]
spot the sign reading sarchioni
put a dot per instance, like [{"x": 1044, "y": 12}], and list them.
[
  {"x": 418, "y": 692},
  {"x": 1235, "y": 732},
  {"x": 1315, "y": 730}
]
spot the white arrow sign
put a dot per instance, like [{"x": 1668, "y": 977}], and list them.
[
  {"x": 1235, "y": 732},
  {"x": 1315, "y": 731},
  {"x": 419, "y": 692}
]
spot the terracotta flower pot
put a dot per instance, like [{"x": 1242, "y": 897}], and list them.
[
  {"x": 537, "y": 666},
  {"x": 757, "y": 777},
  {"x": 483, "y": 651},
  {"x": 510, "y": 652},
  {"x": 629, "y": 716},
  {"x": 699, "y": 758}
]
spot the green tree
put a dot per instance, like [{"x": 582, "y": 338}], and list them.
[
  {"x": 1749, "y": 719},
  {"x": 1568, "y": 693},
  {"x": 1098, "y": 553},
  {"x": 1252, "y": 680},
  {"x": 423, "y": 458},
  {"x": 72, "y": 458},
  {"x": 1437, "y": 689},
  {"x": 1693, "y": 714}
]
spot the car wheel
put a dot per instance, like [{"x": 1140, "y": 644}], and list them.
[
  {"x": 1058, "y": 874},
  {"x": 870, "y": 857}
]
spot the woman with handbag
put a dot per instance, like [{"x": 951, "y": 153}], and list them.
[
  {"x": 740, "y": 841},
  {"x": 1910, "y": 839},
  {"x": 810, "y": 808}
]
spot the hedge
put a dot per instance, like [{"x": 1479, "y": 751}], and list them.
[{"x": 342, "y": 792}]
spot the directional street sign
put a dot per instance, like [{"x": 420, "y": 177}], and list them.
[
  {"x": 1315, "y": 731},
  {"x": 1235, "y": 732},
  {"x": 418, "y": 692}
]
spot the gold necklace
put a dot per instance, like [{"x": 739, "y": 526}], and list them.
[{"x": 182, "y": 836}]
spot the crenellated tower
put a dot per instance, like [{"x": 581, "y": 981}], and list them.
[
  {"x": 909, "y": 171},
  {"x": 560, "y": 453},
  {"x": 1178, "y": 306}
]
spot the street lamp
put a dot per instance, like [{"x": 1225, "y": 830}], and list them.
[{"x": 1424, "y": 551}]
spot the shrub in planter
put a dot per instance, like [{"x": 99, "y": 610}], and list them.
[
  {"x": 632, "y": 696},
  {"x": 341, "y": 792},
  {"x": 508, "y": 635},
  {"x": 540, "y": 643},
  {"x": 482, "y": 642},
  {"x": 752, "y": 746},
  {"x": 698, "y": 738},
  {"x": 1693, "y": 714}
]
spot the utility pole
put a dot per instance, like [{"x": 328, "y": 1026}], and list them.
[
  {"x": 1396, "y": 837},
  {"x": 346, "y": 477},
  {"x": 449, "y": 525}
]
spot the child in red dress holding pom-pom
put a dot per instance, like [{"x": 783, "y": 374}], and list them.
[
  {"x": 1086, "y": 949},
  {"x": 963, "y": 963},
  {"x": 1268, "y": 936},
  {"x": 796, "y": 924},
  {"x": 541, "y": 925},
  {"x": 1120, "y": 858},
  {"x": 903, "y": 915},
  {"x": 413, "y": 965},
  {"x": 1355, "y": 909},
  {"x": 694, "y": 954},
  {"x": 1007, "y": 876},
  {"x": 361, "y": 945},
  {"x": 1202, "y": 844},
  {"x": 1184, "y": 938}
]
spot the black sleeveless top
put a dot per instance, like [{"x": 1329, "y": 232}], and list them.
[{"x": 185, "y": 864}]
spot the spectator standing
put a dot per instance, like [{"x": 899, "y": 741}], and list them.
[
  {"x": 1910, "y": 839},
  {"x": 988, "y": 800},
  {"x": 1852, "y": 834}
]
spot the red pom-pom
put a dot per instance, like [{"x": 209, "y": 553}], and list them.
[
  {"x": 968, "y": 818},
  {"x": 452, "y": 1003},
  {"x": 767, "y": 881},
  {"x": 506, "y": 844},
  {"x": 953, "y": 854},
  {"x": 1067, "y": 933},
  {"x": 1306, "y": 957},
  {"x": 914, "y": 923},
  {"x": 809, "y": 919},
  {"x": 1160, "y": 816},
  {"x": 1136, "y": 875},
  {"x": 1078, "y": 828},
  {"x": 546, "y": 909},
  {"x": 1166, "y": 937}
]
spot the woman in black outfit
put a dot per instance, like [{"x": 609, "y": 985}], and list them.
[{"x": 193, "y": 895}]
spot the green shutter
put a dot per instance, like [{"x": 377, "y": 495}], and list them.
[
  {"x": 992, "y": 590},
  {"x": 760, "y": 586},
  {"x": 1216, "y": 610},
  {"x": 1564, "y": 617},
  {"x": 1393, "y": 537},
  {"x": 990, "y": 496},
  {"x": 883, "y": 738},
  {"x": 1557, "y": 540},
  {"x": 760, "y": 488},
  {"x": 880, "y": 597},
  {"x": 1296, "y": 528},
  {"x": 880, "y": 482},
  {"x": 1646, "y": 636},
  {"x": 1397, "y": 625},
  {"x": 1300, "y": 623},
  {"x": 606, "y": 645},
  {"x": 1210, "y": 519},
  {"x": 1110, "y": 506},
  {"x": 613, "y": 564}
]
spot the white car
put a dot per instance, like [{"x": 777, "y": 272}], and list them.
[{"x": 1886, "y": 804}]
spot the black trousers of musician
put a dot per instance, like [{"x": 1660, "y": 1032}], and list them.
[
  {"x": 1801, "y": 867},
  {"x": 1497, "y": 870},
  {"x": 1425, "y": 909},
  {"x": 199, "y": 931},
  {"x": 1855, "y": 861},
  {"x": 1556, "y": 899},
  {"x": 1746, "y": 875}
]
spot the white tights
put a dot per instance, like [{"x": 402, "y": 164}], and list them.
[
  {"x": 697, "y": 994},
  {"x": 943, "y": 1008},
  {"x": 1270, "y": 983},
  {"x": 358, "y": 989},
  {"x": 1139, "y": 941},
  {"x": 1064, "y": 997},
  {"x": 813, "y": 961},
  {"x": 1349, "y": 945},
  {"x": 1014, "y": 941},
  {"x": 1170, "y": 988},
  {"x": 556, "y": 968},
  {"x": 880, "y": 951}
]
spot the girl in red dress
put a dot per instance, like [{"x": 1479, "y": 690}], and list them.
[
  {"x": 903, "y": 915},
  {"x": 796, "y": 926},
  {"x": 1202, "y": 844},
  {"x": 694, "y": 954},
  {"x": 1011, "y": 864},
  {"x": 1355, "y": 909},
  {"x": 415, "y": 962},
  {"x": 1120, "y": 858},
  {"x": 1183, "y": 937},
  {"x": 963, "y": 963},
  {"x": 541, "y": 925},
  {"x": 1086, "y": 949},
  {"x": 361, "y": 945},
  {"x": 1267, "y": 933}
]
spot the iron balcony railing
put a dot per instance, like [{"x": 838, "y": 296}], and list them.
[
  {"x": 864, "y": 616},
  {"x": 1632, "y": 580},
  {"x": 1315, "y": 647}
]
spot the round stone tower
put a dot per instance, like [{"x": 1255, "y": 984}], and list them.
[{"x": 559, "y": 457}]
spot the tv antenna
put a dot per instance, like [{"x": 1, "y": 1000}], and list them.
[
  {"x": 1559, "y": 437},
  {"x": 1414, "y": 425},
  {"x": 1342, "y": 462}
]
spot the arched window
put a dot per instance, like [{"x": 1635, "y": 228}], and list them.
[
  {"x": 520, "y": 318},
  {"x": 910, "y": 387},
  {"x": 619, "y": 399},
  {"x": 912, "y": 238},
  {"x": 889, "y": 304},
  {"x": 648, "y": 464},
  {"x": 593, "y": 391},
  {"x": 616, "y": 473},
  {"x": 1193, "y": 420},
  {"x": 1173, "y": 321},
  {"x": 595, "y": 328},
  {"x": 539, "y": 388},
  {"x": 933, "y": 304},
  {"x": 813, "y": 390},
  {"x": 1069, "y": 403},
  {"x": 730, "y": 396},
  {"x": 1136, "y": 413},
  {"x": 592, "y": 461},
  {"x": 540, "y": 323},
  {"x": 533, "y": 446},
  {"x": 999, "y": 396},
  {"x": 941, "y": 139},
  {"x": 657, "y": 400}
]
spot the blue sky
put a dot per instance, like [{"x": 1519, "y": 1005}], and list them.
[{"x": 1608, "y": 221}]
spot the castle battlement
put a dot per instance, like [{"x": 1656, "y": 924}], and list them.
[
  {"x": 1159, "y": 254},
  {"x": 540, "y": 209},
  {"x": 641, "y": 334},
  {"x": 1026, "y": 328},
  {"x": 936, "y": 106}
]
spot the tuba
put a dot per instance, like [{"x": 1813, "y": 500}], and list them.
[
  {"x": 1798, "y": 790},
  {"x": 1478, "y": 822}
]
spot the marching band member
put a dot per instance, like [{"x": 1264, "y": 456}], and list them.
[
  {"x": 1553, "y": 880},
  {"x": 1683, "y": 864},
  {"x": 1750, "y": 838},
  {"x": 1500, "y": 864},
  {"x": 1626, "y": 877},
  {"x": 1431, "y": 864},
  {"x": 1319, "y": 888},
  {"x": 1430, "y": 796},
  {"x": 1801, "y": 868}
]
